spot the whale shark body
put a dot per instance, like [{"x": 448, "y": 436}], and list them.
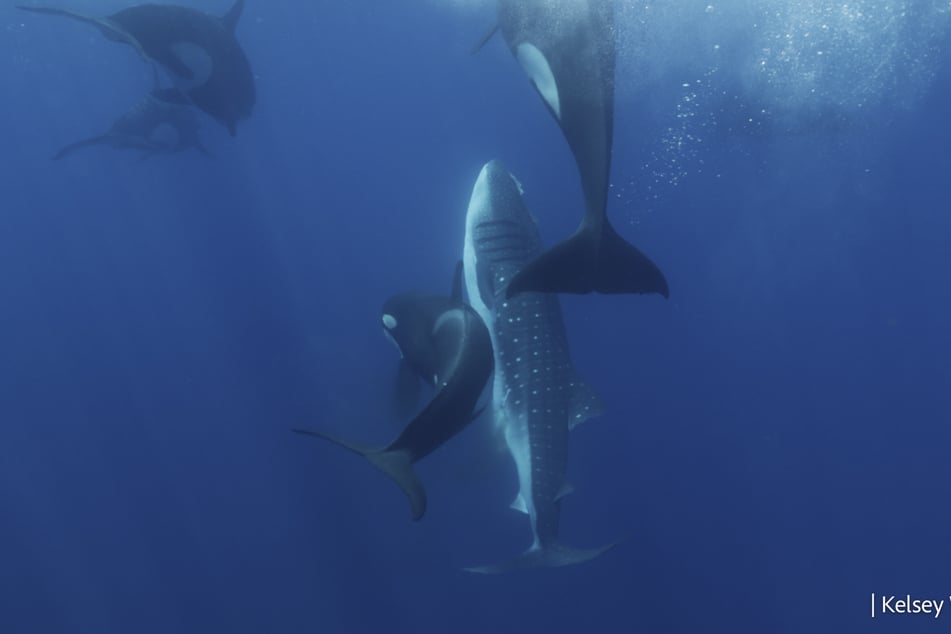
[{"x": 537, "y": 397}]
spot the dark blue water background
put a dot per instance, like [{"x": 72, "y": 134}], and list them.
[{"x": 776, "y": 440}]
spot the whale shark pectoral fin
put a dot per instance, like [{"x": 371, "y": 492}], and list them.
[
  {"x": 230, "y": 19},
  {"x": 397, "y": 464},
  {"x": 565, "y": 490},
  {"x": 536, "y": 66},
  {"x": 585, "y": 404},
  {"x": 586, "y": 263},
  {"x": 518, "y": 504},
  {"x": 485, "y": 39},
  {"x": 477, "y": 412},
  {"x": 551, "y": 556}
]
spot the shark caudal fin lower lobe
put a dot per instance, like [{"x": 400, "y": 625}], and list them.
[
  {"x": 396, "y": 464},
  {"x": 550, "y": 556},
  {"x": 587, "y": 262}
]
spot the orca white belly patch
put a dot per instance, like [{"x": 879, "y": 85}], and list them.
[{"x": 535, "y": 65}]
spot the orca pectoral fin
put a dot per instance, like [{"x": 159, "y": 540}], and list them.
[
  {"x": 171, "y": 96},
  {"x": 456, "y": 292},
  {"x": 108, "y": 28},
  {"x": 587, "y": 262},
  {"x": 485, "y": 39},
  {"x": 177, "y": 66},
  {"x": 552, "y": 556},
  {"x": 395, "y": 464},
  {"x": 63, "y": 12},
  {"x": 203, "y": 150},
  {"x": 66, "y": 150}
]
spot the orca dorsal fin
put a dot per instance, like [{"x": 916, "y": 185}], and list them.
[
  {"x": 230, "y": 19},
  {"x": 485, "y": 39},
  {"x": 457, "y": 282}
]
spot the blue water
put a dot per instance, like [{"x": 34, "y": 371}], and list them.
[{"x": 775, "y": 443}]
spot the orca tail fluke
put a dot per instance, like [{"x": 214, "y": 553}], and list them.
[
  {"x": 66, "y": 150},
  {"x": 395, "y": 464},
  {"x": 550, "y": 556},
  {"x": 590, "y": 262}
]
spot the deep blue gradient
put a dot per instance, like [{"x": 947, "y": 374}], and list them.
[{"x": 776, "y": 440}]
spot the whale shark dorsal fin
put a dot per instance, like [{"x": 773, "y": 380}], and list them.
[
  {"x": 566, "y": 489},
  {"x": 230, "y": 19},
  {"x": 518, "y": 504},
  {"x": 585, "y": 404},
  {"x": 456, "y": 292},
  {"x": 485, "y": 39}
]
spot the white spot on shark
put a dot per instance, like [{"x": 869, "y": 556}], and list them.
[{"x": 389, "y": 321}]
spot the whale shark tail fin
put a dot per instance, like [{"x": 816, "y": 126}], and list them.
[
  {"x": 396, "y": 464},
  {"x": 590, "y": 261},
  {"x": 550, "y": 556}
]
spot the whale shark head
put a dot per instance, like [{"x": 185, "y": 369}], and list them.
[{"x": 500, "y": 232}]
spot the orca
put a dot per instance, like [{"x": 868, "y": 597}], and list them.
[
  {"x": 162, "y": 122},
  {"x": 537, "y": 397},
  {"x": 200, "y": 52},
  {"x": 446, "y": 343},
  {"x": 568, "y": 49}
]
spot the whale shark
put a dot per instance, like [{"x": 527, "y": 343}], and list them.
[
  {"x": 537, "y": 397},
  {"x": 162, "y": 122},
  {"x": 567, "y": 49},
  {"x": 199, "y": 51},
  {"x": 447, "y": 344}
]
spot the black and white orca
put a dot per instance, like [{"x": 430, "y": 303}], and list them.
[
  {"x": 162, "y": 122},
  {"x": 537, "y": 397},
  {"x": 446, "y": 343},
  {"x": 199, "y": 51},
  {"x": 567, "y": 49}
]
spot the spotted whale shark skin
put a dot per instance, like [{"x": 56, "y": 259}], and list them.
[
  {"x": 199, "y": 51},
  {"x": 162, "y": 122},
  {"x": 537, "y": 396},
  {"x": 567, "y": 49}
]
